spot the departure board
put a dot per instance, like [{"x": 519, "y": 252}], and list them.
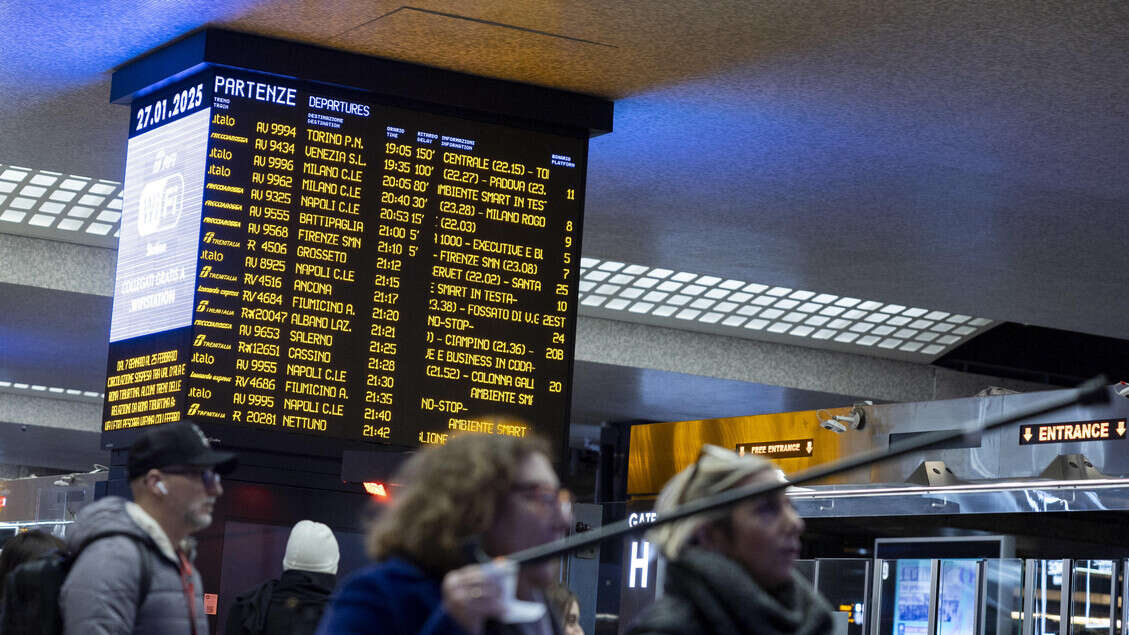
[{"x": 303, "y": 258}]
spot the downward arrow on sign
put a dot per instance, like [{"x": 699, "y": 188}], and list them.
[
  {"x": 1027, "y": 434},
  {"x": 1121, "y": 428}
]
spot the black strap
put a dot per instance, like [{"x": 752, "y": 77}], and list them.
[{"x": 146, "y": 573}]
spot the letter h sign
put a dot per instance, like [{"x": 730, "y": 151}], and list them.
[{"x": 640, "y": 562}]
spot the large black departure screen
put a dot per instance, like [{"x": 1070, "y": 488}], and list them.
[{"x": 299, "y": 258}]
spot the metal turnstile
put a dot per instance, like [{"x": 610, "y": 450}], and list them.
[
  {"x": 951, "y": 596},
  {"x": 1074, "y": 597},
  {"x": 994, "y": 596}
]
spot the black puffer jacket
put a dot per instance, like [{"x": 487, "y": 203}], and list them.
[
  {"x": 709, "y": 594},
  {"x": 291, "y": 605}
]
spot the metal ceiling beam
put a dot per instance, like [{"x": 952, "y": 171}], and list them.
[
  {"x": 69, "y": 414},
  {"x": 50, "y": 264},
  {"x": 674, "y": 350}
]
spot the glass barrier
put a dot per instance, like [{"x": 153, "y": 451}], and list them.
[
  {"x": 957, "y": 595},
  {"x": 806, "y": 568},
  {"x": 904, "y": 596},
  {"x": 1121, "y": 624},
  {"x": 1046, "y": 596},
  {"x": 1002, "y": 610},
  {"x": 843, "y": 583},
  {"x": 1091, "y": 605},
  {"x": 983, "y": 596}
]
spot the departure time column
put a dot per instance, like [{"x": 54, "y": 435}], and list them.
[{"x": 403, "y": 197}]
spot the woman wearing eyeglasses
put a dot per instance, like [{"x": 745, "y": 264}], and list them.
[
  {"x": 497, "y": 494},
  {"x": 731, "y": 571}
]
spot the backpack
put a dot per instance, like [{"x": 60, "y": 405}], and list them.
[
  {"x": 275, "y": 608},
  {"x": 31, "y": 591}
]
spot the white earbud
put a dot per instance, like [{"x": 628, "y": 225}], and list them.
[{"x": 162, "y": 489}]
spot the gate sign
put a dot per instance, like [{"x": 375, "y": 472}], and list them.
[
  {"x": 1075, "y": 431},
  {"x": 791, "y": 449}
]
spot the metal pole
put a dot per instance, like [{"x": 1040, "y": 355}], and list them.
[
  {"x": 1028, "y": 624},
  {"x": 934, "y": 593},
  {"x": 1065, "y": 606},
  {"x": 1092, "y": 391},
  {"x": 873, "y": 611},
  {"x": 982, "y": 597}
]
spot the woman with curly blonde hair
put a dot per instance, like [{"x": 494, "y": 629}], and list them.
[{"x": 499, "y": 494}]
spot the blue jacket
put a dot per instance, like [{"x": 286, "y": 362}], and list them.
[{"x": 393, "y": 597}]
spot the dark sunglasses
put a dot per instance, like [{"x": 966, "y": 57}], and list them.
[{"x": 207, "y": 475}]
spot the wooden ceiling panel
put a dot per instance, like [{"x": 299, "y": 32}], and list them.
[{"x": 474, "y": 45}]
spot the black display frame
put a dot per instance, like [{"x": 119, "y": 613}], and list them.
[{"x": 380, "y": 81}]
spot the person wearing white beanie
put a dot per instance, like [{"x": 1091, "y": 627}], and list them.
[
  {"x": 311, "y": 547},
  {"x": 294, "y": 603}
]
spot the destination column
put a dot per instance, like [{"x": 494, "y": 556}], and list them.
[{"x": 328, "y": 237}]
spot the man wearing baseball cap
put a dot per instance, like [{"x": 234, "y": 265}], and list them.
[{"x": 134, "y": 571}]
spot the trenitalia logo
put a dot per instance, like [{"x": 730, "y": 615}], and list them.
[{"x": 1076, "y": 431}]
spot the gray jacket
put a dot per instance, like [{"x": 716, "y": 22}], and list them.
[{"x": 102, "y": 589}]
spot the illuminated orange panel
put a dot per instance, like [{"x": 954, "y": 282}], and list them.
[
  {"x": 659, "y": 450},
  {"x": 376, "y": 489}
]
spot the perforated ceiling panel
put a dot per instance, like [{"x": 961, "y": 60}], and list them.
[
  {"x": 739, "y": 308},
  {"x": 59, "y": 206}
]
